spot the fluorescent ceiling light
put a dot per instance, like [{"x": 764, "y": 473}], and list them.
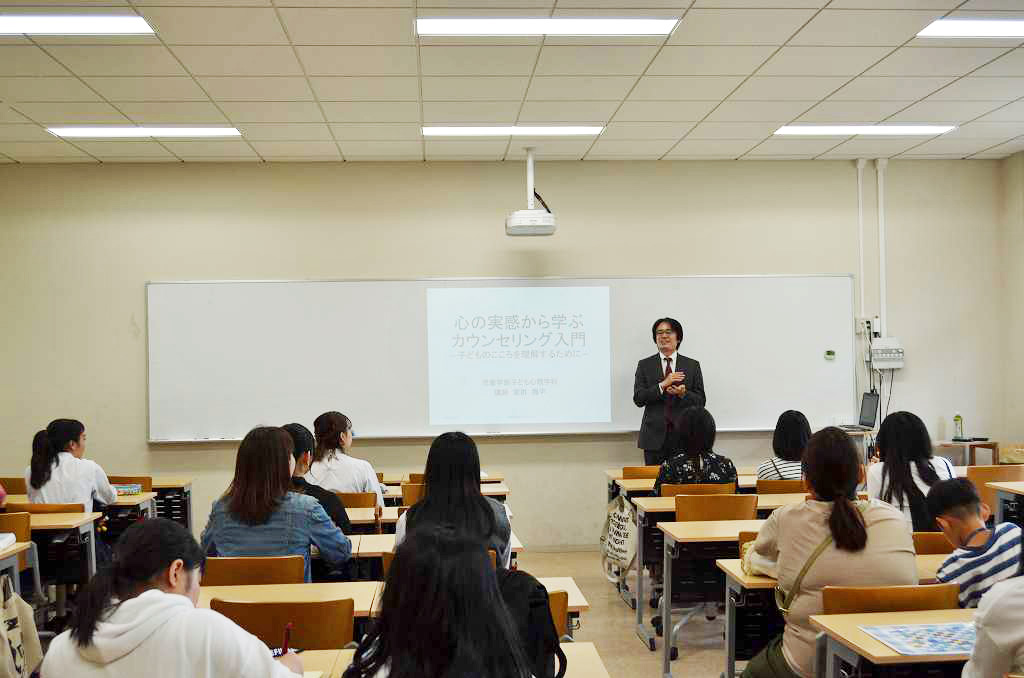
[
  {"x": 23, "y": 24},
  {"x": 864, "y": 130},
  {"x": 142, "y": 132},
  {"x": 511, "y": 26},
  {"x": 974, "y": 28},
  {"x": 510, "y": 131}
]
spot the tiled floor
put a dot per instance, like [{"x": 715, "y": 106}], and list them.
[{"x": 609, "y": 623}]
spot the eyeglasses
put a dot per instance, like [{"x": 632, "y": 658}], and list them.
[{"x": 665, "y": 332}]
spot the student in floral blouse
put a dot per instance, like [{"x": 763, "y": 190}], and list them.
[{"x": 695, "y": 461}]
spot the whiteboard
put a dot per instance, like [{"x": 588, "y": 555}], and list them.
[{"x": 225, "y": 356}]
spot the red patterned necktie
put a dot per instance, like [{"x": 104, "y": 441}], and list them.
[{"x": 668, "y": 400}]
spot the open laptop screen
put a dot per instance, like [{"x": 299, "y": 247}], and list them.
[{"x": 869, "y": 409}]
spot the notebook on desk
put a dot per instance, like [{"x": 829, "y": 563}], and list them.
[{"x": 925, "y": 639}]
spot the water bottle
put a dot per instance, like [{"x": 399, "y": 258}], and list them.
[{"x": 958, "y": 426}]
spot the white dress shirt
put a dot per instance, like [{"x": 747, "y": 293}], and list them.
[
  {"x": 339, "y": 472},
  {"x": 72, "y": 481},
  {"x": 672, "y": 361}
]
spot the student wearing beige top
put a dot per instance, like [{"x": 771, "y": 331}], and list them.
[{"x": 862, "y": 543}]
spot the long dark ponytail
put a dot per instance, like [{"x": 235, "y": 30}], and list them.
[
  {"x": 49, "y": 443},
  {"x": 903, "y": 440},
  {"x": 832, "y": 469},
  {"x": 143, "y": 551}
]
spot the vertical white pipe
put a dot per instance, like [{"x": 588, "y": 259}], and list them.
[
  {"x": 880, "y": 165},
  {"x": 860, "y": 226},
  {"x": 529, "y": 178}
]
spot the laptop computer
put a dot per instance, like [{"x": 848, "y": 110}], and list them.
[{"x": 868, "y": 414}]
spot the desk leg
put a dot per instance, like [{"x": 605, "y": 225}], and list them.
[
  {"x": 33, "y": 561},
  {"x": 1001, "y": 499},
  {"x": 666, "y": 607},
  {"x": 11, "y": 564},
  {"x": 90, "y": 557},
  {"x": 731, "y": 592},
  {"x": 642, "y": 631},
  {"x": 835, "y": 655}
]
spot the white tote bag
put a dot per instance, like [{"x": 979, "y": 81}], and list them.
[{"x": 618, "y": 539}]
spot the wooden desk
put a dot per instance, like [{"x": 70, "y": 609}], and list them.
[
  {"x": 366, "y": 516},
  {"x": 489, "y": 478},
  {"x": 1005, "y": 491},
  {"x": 325, "y": 661},
  {"x": 971, "y": 448},
  {"x": 9, "y": 563},
  {"x": 577, "y": 602},
  {"x": 172, "y": 482},
  {"x": 83, "y": 522},
  {"x": 376, "y": 545},
  {"x": 144, "y": 501},
  {"x": 489, "y": 489},
  {"x": 631, "y": 486},
  {"x": 362, "y": 593}
]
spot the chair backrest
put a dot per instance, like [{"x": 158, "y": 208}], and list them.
[
  {"x": 145, "y": 481},
  {"x": 746, "y": 536},
  {"x": 385, "y": 561},
  {"x": 854, "y": 599},
  {"x": 931, "y": 543},
  {"x": 14, "y": 485},
  {"x": 780, "y": 486},
  {"x": 558, "y": 601},
  {"x": 380, "y": 478},
  {"x": 1011, "y": 453},
  {"x": 672, "y": 489},
  {"x": 19, "y": 524},
  {"x": 716, "y": 507},
  {"x": 979, "y": 475},
  {"x": 416, "y": 478},
  {"x": 254, "y": 570},
  {"x": 358, "y": 499},
  {"x": 640, "y": 471},
  {"x": 402, "y": 509},
  {"x": 316, "y": 625},
  {"x": 28, "y": 507},
  {"x": 411, "y": 493}
]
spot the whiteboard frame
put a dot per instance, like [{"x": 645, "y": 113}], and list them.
[{"x": 510, "y": 434}]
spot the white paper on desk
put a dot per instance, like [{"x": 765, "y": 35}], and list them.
[
  {"x": 761, "y": 565},
  {"x": 7, "y": 539}
]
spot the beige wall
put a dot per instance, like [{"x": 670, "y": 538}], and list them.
[
  {"x": 77, "y": 244},
  {"x": 1012, "y": 327}
]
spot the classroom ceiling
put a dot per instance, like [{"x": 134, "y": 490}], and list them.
[{"x": 333, "y": 80}]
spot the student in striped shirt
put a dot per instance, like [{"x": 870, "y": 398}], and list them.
[
  {"x": 983, "y": 556},
  {"x": 788, "y": 442}
]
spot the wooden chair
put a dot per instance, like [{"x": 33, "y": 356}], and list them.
[
  {"x": 746, "y": 536},
  {"x": 558, "y": 601},
  {"x": 1009, "y": 453},
  {"x": 316, "y": 625},
  {"x": 253, "y": 570},
  {"x": 145, "y": 481},
  {"x": 416, "y": 478},
  {"x": 780, "y": 486},
  {"x": 856, "y": 599},
  {"x": 931, "y": 543},
  {"x": 20, "y": 525},
  {"x": 979, "y": 475},
  {"x": 716, "y": 507},
  {"x": 14, "y": 485},
  {"x": 402, "y": 509},
  {"x": 358, "y": 499},
  {"x": 411, "y": 493},
  {"x": 380, "y": 478},
  {"x": 28, "y": 507},
  {"x": 640, "y": 471},
  {"x": 385, "y": 561},
  {"x": 671, "y": 490}
]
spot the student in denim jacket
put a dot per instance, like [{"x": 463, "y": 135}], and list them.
[{"x": 260, "y": 516}]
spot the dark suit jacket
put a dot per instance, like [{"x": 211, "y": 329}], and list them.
[{"x": 649, "y": 372}]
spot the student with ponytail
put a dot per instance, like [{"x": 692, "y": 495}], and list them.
[
  {"x": 833, "y": 540},
  {"x": 59, "y": 472},
  {"x": 137, "y": 617}
]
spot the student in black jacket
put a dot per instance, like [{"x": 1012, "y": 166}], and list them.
[{"x": 303, "y": 456}]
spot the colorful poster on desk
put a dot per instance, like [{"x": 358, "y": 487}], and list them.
[{"x": 925, "y": 639}]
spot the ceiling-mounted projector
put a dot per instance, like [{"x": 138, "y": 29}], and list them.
[{"x": 531, "y": 221}]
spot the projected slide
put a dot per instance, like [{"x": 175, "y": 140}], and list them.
[{"x": 518, "y": 355}]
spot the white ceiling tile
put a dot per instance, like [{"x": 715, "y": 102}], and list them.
[
  {"x": 118, "y": 60},
  {"x": 172, "y": 112},
  {"x": 867, "y": 88},
  {"x": 143, "y": 3},
  {"x": 371, "y": 111},
  {"x": 1003, "y": 150},
  {"x": 465, "y": 150},
  {"x": 962, "y": 146},
  {"x": 646, "y": 130},
  {"x": 873, "y": 147},
  {"x": 47, "y": 40},
  {"x": 1013, "y": 112},
  {"x": 124, "y": 149},
  {"x": 8, "y": 114},
  {"x": 272, "y": 111},
  {"x": 935, "y": 60},
  {"x": 474, "y": 88},
  {"x": 1005, "y": 43},
  {"x": 988, "y": 130},
  {"x": 210, "y": 149},
  {"x": 622, "y": 5},
  {"x": 26, "y": 150},
  {"x": 790, "y": 146},
  {"x": 215, "y": 25},
  {"x": 732, "y": 130},
  {"x": 598, "y": 88},
  {"x": 663, "y": 111},
  {"x": 1009, "y": 65},
  {"x": 59, "y": 160},
  {"x": 631, "y": 147},
  {"x": 148, "y": 89},
  {"x": 394, "y": 132},
  {"x": 285, "y": 131},
  {"x": 474, "y": 4},
  {"x": 864, "y": 27},
  {"x": 894, "y": 4},
  {"x": 548, "y": 149},
  {"x": 239, "y": 60},
  {"x": 813, "y": 4},
  {"x": 931, "y": 156},
  {"x": 66, "y": 113},
  {"x": 853, "y": 111},
  {"x": 27, "y": 61},
  {"x": 349, "y": 26},
  {"x": 45, "y": 89},
  {"x": 739, "y": 26},
  {"x": 576, "y": 112},
  {"x": 534, "y": 41},
  {"x": 822, "y": 60},
  {"x": 139, "y": 159},
  {"x": 255, "y": 88},
  {"x": 782, "y": 88},
  {"x": 684, "y": 87},
  {"x": 381, "y": 149},
  {"x": 709, "y": 60},
  {"x": 270, "y": 149},
  {"x": 758, "y": 111},
  {"x": 477, "y": 60},
  {"x": 711, "y": 148},
  {"x": 594, "y": 60},
  {"x": 992, "y": 4},
  {"x": 395, "y": 88},
  {"x": 24, "y": 132},
  {"x": 470, "y": 112},
  {"x": 347, "y": 60},
  {"x": 945, "y": 112},
  {"x": 982, "y": 89}
]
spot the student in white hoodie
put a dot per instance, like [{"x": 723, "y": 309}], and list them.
[
  {"x": 59, "y": 472},
  {"x": 137, "y": 617}
]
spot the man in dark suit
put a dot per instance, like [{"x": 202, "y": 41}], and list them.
[{"x": 665, "y": 384}]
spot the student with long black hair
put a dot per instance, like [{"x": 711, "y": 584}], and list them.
[
  {"x": 695, "y": 460},
  {"x": 137, "y": 617},
  {"x": 59, "y": 472},
  {"x": 441, "y": 614},
  {"x": 907, "y": 469},
  {"x": 451, "y": 496}
]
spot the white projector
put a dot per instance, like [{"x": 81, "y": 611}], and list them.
[{"x": 530, "y": 222}]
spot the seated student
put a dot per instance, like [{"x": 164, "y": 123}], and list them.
[
  {"x": 441, "y": 615},
  {"x": 451, "y": 496},
  {"x": 303, "y": 441},
  {"x": 695, "y": 463},
  {"x": 866, "y": 543},
  {"x": 983, "y": 557},
  {"x": 333, "y": 468},
  {"x": 907, "y": 469},
  {"x": 59, "y": 472},
  {"x": 788, "y": 442},
  {"x": 138, "y": 617},
  {"x": 259, "y": 515},
  {"x": 999, "y": 632}
]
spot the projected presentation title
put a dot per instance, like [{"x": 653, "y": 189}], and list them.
[{"x": 519, "y": 337}]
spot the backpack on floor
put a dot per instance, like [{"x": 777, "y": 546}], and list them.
[{"x": 527, "y": 603}]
